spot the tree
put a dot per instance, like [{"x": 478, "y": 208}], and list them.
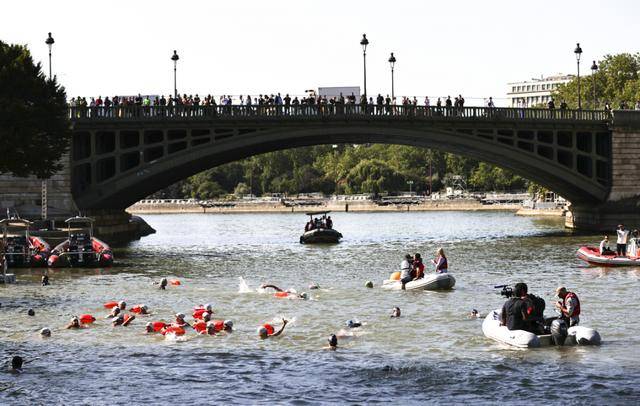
[
  {"x": 34, "y": 124},
  {"x": 616, "y": 80}
]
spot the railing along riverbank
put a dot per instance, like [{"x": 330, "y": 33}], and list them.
[{"x": 181, "y": 112}]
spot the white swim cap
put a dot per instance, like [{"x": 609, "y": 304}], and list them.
[
  {"x": 209, "y": 307},
  {"x": 228, "y": 323},
  {"x": 45, "y": 332},
  {"x": 149, "y": 324},
  {"x": 180, "y": 315},
  {"x": 205, "y": 315},
  {"x": 211, "y": 324},
  {"x": 143, "y": 307}
]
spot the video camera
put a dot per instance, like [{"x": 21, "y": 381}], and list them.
[{"x": 507, "y": 291}]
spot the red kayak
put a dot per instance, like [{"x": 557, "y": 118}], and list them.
[{"x": 593, "y": 257}]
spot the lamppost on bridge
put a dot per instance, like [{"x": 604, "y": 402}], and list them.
[
  {"x": 594, "y": 69},
  {"x": 410, "y": 183},
  {"x": 578, "y": 52},
  {"x": 364, "y": 42},
  {"x": 49, "y": 43},
  {"x": 392, "y": 62},
  {"x": 175, "y": 58}
]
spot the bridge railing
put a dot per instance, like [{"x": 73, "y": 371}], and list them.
[{"x": 182, "y": 112}]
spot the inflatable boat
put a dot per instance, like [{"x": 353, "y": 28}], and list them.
[
  {"x": 319, "y": 230},
  {"x": 559, "y": 334},
  {"x": 433, "y": 281},
  {"x": 22, "y": 250},
  {"x": 81, "y": 248},
  {"x": 592, "y": 256}
]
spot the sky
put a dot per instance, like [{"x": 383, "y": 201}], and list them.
[{"x": 467, "y": 47}]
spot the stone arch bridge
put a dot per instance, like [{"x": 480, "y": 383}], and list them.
[{"x": 122, "y": 154}]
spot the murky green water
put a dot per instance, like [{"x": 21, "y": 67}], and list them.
[{"x": 433, "y": 353}]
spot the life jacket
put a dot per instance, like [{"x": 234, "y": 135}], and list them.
[
  {"x": 576, "y": 310},
  {"x": 218, "y": 325},
  {"x": 87, "y": 319},
  {"x": 200, "y": 327},
  {"x": 137, "y": 309},
  {"x": 173, "y": 329},
  {"x": 126, "y": 318},
  {"x": 197, "y": 313},
  {"x": 281, "y": 294},
  {"x": 269, "y": 327},
  {"x": 110, "y": 305},
  {"x": 159, "y": 325}
]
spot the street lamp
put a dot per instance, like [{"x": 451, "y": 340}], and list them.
[
  {"x": 594, "y": 69},
  {"x": 364, "y": 42},
  {"x": 49, "y": 43},
  {"x": 578, "y": 52},
  {"x": 175, "y": 58},
  {"x": 392, "y": 62},
  {"x": 410, "y": 183}
]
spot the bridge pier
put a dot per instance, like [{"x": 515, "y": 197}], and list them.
[{"x": 622, "y": 205}]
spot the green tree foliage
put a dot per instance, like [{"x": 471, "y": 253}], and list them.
[
  {"x": 34, "y": 128},
  {"x": 616, "y": 81}
]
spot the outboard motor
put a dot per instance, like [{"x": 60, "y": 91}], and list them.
[{"x": 559, "y": 331}]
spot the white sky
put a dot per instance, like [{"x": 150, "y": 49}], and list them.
[{"x": 443, "y": 47}]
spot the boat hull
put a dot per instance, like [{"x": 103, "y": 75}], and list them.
[
  {"x": 33, "y": 254},
  {"x": 592, "y": 256},
  {"x": 435, "y": 281},
  {"x": 577, "y": 335},
  {"x": 97, "y": 254},
  {"x": 320, "y": 236}
]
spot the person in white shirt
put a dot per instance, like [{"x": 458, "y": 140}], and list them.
[
  {"x": 623, "y": 236},
  {"x": 604, "y": 247}
]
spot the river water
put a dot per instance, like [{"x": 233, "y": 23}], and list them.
[{"x": 434, "y": 353}]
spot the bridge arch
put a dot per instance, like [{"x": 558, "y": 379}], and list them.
[{"x": 540, "y": 152}]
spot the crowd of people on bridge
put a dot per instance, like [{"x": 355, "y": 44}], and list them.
[{"x": 263, "y": 104}]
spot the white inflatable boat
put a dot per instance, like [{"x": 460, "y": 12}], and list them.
[
  {"x": 577, "y": 335},
  {"x": 592, "y": 256},
  {"x": 434, "y": 281}
]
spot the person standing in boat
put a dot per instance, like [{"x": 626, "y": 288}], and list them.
[
  {"x": 623, "y": 236},
  {"x": 632, "y": 247},
  {"x": 441, "y": 263},
  {"x": 406, "y": 270},
  {"x": 329, "y": 223},
  {"x": 604, "y": 247},
  {"x": 569, "y": 307}
]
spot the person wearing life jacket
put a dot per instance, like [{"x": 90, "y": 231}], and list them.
[
  {"x": 198, "y": 311},
  {"x": 569, "y": 307},
  {"x": 115, "y": 311},
  {"x": 148, "y": 328},
  {"x": 200, "y": 327},
  {"x": 123, "y": 320},
  {"x": 122, "y": 305},
  {"x": 140, "y": 309},
  {"x": 268, "y": 331},
  {"x": 418, "y": 267}
]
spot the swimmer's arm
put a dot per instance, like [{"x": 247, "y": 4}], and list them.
[
  {"x": 263, "y": 286},
  {"x": 284, "y": 324}
]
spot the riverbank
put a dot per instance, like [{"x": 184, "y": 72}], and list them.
[{"x": 174, "y": 207}]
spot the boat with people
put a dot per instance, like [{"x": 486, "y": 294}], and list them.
[
  {"x": 558, "y": 334},
  {"x": 81, "y": 248},
  {"x": 19, "y": 248},
  {"x": 319, "y": 230},
  {"x": 592, "y": 256},
  {"x": 434, "y": 281}
]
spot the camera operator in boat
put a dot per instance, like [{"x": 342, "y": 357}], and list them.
[
  {"x": 522, "y": 311},
  {"x": 623, "y": 237},
  {"x": 569, "y": 307},
  {"x": 604, "y": 247}
]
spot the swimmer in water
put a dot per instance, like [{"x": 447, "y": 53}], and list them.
[
  {"x": 45, "y": 333},
  {"x": 314, "y": 286},
  {"x": 74, "y": 323},
  {"x": 211, "y": 328},
  {"x": 148, "y": 328},
  {"x": 16, "y": 365},
  {"x": 267, "y": 330},
  {"x": 180, "y": 320},
  {"x": 227, "y": 326},
  {"x": 45, "y": 280},
  {"x": 206, "y": 317},
  {"x": 285, "y": 293},
  {"x": 395, "y": 312},
  {"x": 31, "y": 312},
  {"x": 353, "y": 324},
  {"x": 333, "y": 342},
  {"x": 474, "y": 314},
  {"x": 123, "y": 320},
  {"x": 122, "y": 305},
  {"x": 115, "y": 311},
  {"x": 163, "y": 283}
]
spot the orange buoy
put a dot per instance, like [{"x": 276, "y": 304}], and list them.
[
  {"x": 174, "y": 282},
  {"x": 158, "y": 325},
  {"x": 281, "y": 294},
  {"x": 395, "y": 276},
  {"x": 128, "y": 318},
  {"x": 87, "y": 319},
  {"x": 200, "y": 327},
  {"x": 269, "y": 327},
  {"x": 110, "y": 305},
  {"x": 173, "y": 329},
  {"x": 218, "y": 325},
  {"x": 197, "y": 314}
]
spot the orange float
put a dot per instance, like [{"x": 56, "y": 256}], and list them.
[
  {"x": 174, "y": 282},
  {"x": 158, "y": 325},
  {"x": 198, "y": 312},
  {"x": 281, "y": 294},
  {"x": 395, "y": 276},
  {"x": 173, "y": 329},
  {"x": 200, "y": 327},
  {"x": 110, "y": 305},
  {"x": 218, "y": 325},
  {"x": 87, "y": 319},
  {"x": 269, "y": 327}
]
